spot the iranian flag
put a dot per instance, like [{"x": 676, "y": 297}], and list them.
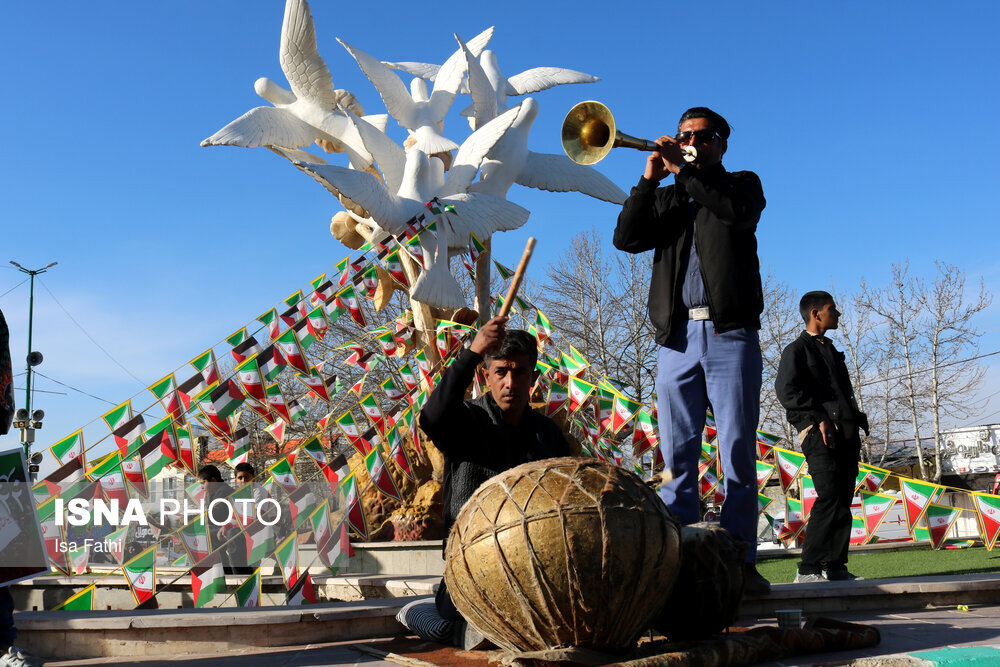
[
  {"x": 277, "y": 430},
  {"x": 708, "y": 480},
  {"x": 352, "y": 500},
  {"x": 263, "y": 411},
  {"x": 558, "y": 398},
  {"x": 644, "y": 435},
  {"x": 54, "y": 536},
  {"x": 68, "y": 448},
  {"x": 624, "y": 411},
  {"x": 543, "y": 327},
  {"x": 349, "y": 427},
  {"x": 870, "y": 478},
  {"x": 789, "y": 465},
  {"x": 127, "y": 435},
  {"x": 270, "y": 362},
  {"x": 287, "y": 555},
  {"x": 316, "y": 323},
  {"x": 347, "y": 298},
  {"x": 764, "y": 472},
  {"x": 135, "y": 475},
  {"x": 194, "y": 535},
  {"x": 858, "y": 532},
  {"x": 795, "y": 520},
  {"x": 394, "y": 266},
  {"x": 118, "y": 415},
  {"x": 343, "y": 268},
  {"x": 807, "y": 494},
  {"x": 397, "y": 452},
  {"x": 140, "y": 572},
  {"x": 237, "y": 337},
  {"x": 423, "y": 365},
  {"x": 392, "y": 390},
  {"x": 208, "y": 579},
  {"x": 314, "y": 450},
  {"x": 579, "y": 392},
  {"x": 205, "y": 364},
  {"x": 940, "y": 519},
  {"x": 303, "y": 592},
  {"x": 165, "y": 392},
  {"x": 408, "y": 376},
  {"x": 260, "y": 542},
  {"x": 765, "y": 441},
  {"x": 78, "y": 557},
  {"x": 380, "y": 475},
  {"x": 248, "y": 593},
  {"x": 185, "y": 449},
  {"x": 271, "y": 322},
  {"x": 283, "y": 475},
  {"x": 374, "y": 412},
  {"x": 320, "y": 521},
  {"x": 387, "y": 342},
  {"x": 604, "y": 408},
  {"x": 988, "y": 512},
  {"x": 248, "y": 348},
  {"x": 709, "y": 453},
  {"x": 112, "y": 480},
  {"x": 276, "y": 402},
  {"x": 248, "y": 373},
  {"x": 116, "y": 543},
  {"x": 82, "y": 601},
  {"x": 710, "y": 430},
  {"x": 875, "y": 507},
  {"x": 763, "y": 502},
  {"x": 291, "y": 349},
  {"x": 916, "y": 497}
]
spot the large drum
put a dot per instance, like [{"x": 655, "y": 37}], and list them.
[{"x": 562, "y": 552}]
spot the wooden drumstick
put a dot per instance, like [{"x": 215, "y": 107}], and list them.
[{"x": 515, "y": 284}]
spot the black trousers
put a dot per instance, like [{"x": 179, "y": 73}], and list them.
[{"x": 834, "y": 472}]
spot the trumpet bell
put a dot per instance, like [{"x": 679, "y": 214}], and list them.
[{"x": 588, "y": 132}]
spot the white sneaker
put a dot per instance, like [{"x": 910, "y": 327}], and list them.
[
  {"x": 15, "y": 657},
  {"x": 808, "y": 578}
]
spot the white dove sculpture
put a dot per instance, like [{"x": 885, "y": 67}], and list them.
[
  {"x": 420, "y": 113},
  {"x": 307, "y": 112},
  {"x": 510, "y": 161}
]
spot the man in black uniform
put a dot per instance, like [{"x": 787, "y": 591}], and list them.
[
  {"x": 483, "y": 437},
  {"x": 814, "y": 387}
]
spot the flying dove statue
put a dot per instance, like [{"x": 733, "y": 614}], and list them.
[
  {"x": 307, "y": 112},
  {"x": 420, "y": 113}
]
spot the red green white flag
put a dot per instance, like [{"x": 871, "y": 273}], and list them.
[
  {"x": 205, "y": 364},
  {"x": 763, "y": 502},
  {"x": 392, "y": 390},
  {"x": 159, "y": 449},
  {"x": 221, "y": 403},
  {"x": 644, "y": 433},
  {"x": 112, "y": 480},
  {"x": 870, "y": 478},
  {"x": 316, "y": 323},
  {"x": 277, "y": 430},
  {"x": 127, "y": 435},
  {"x": 270, "y": 362},
  {"x": 988, "y": 512},
  {"x": 303, "y": 592},
  {"x": 766, "y": 441},
  {"x": 82, "y": 601},
  {"x": 374, "y": 412},
  {"x": 916, "y": 498},
  {"x": 140, "y": 572},
  {"x": 135, "y": 475},
  {"x": 248, "y": 593},
  {"x": 291, "y": 350},
  {"x": 795, "y": 520},
  {"x": 789, "y": 465},
  {"x": 248, "y": 348},
  {"x": 248, "y": 373},
  {"x": 858, "y": 531},
  {"x": 940, "y": 519},
  {"x": 604, "y": 408},
  {"x": 624, "y": 411},
  {"x": 408, "y": 376},
  {"x": 380, "y": 475},
  {"x": 349, "y": 427},
  {"x": 68, "y": 448},
  {"x": 543, "y": 327},
  {"x": 352, "y": 500},
  {"x": 287, "y": 555},
  {"x": 165, "y": 392},
  {"x": 336, "y": 551},
  {"x": 347, "y": 298},
  {"x": 764, "y": 472},
  {"x": 260, "y": 542},
  {"x": 185, "y": 448},
  {"x": 271, "y": 322},
  {"x": 875, "y": 507},
  {"x": 807, "y": 494},
  {"x": 208, "y": 579},
  {"x": 579, "y": 392},
  {"x": 118, "y": 415},
  {"x": 283, "y": 475},
  {"x": 397, "y": 452},
  {"x": 558, "y": 398},
  {"x": 276, "y": 402}
]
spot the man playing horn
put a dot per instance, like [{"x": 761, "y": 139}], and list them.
[
  {"x": 705, "y": 301},
  {"x": 482, "y": 437}
]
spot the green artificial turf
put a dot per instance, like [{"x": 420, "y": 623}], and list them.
[{"x": 916, "y": 562}]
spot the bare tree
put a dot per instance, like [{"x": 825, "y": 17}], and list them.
[
  {"x": 780, "y": 323},
  {"x": 900, "y": 306},
  {"x": 952, "y": 341}
]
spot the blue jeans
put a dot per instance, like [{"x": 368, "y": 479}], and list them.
[{"x": 694, "y": 368}]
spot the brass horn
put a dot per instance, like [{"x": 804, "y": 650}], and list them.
[{"x": 589, "y": 134}]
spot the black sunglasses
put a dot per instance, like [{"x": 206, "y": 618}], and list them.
[{"x": 698, "y": 136}]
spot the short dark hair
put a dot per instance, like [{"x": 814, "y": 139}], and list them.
[
  {"x": 717, "y": 122},
  {"x": 247, "y": 468},
  {"x": 210, "y": 473},
  {"x": 810, "y": 300},
  {"x": 516, "y": 341}
]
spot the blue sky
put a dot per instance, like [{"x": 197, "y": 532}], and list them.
[{"x": 871, "y": 125}]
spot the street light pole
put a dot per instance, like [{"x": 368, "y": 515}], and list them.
[{"x": 30, "y": 422}]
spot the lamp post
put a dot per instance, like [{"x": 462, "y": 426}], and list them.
[{"x": 25, "y": 419}]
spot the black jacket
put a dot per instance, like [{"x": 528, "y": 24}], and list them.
[
  {"x": 476, "y": 444},
  {"x": 811, "y": 390},
  {"x": 726, "y": 208}
]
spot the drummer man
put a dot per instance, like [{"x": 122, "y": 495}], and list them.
[{"x": 482, "y": 437}]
